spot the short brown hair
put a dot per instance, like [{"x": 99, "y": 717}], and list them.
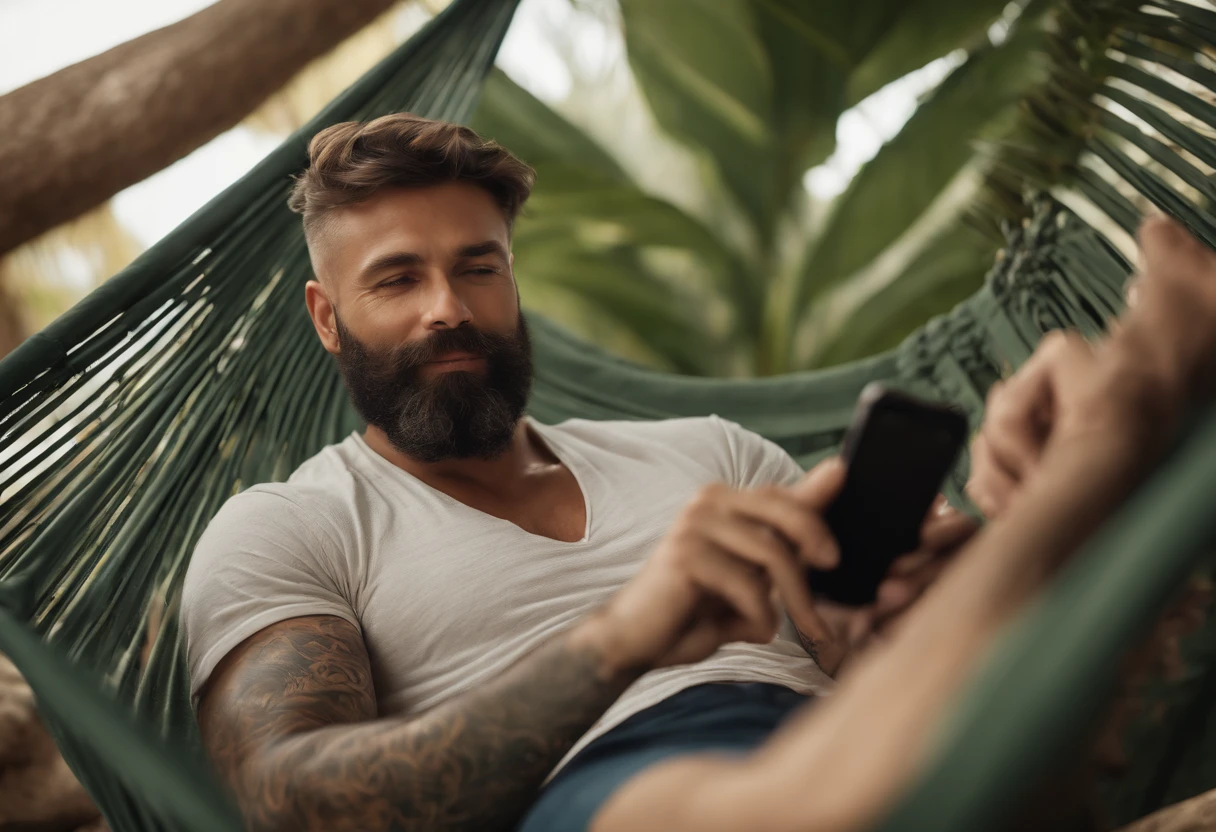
[{"x": 349, "y": 162}]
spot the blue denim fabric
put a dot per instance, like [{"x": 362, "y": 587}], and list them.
[{"x": 721, "y": 718}]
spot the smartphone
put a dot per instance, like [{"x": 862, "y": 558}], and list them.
[{"x": 897, "y": 452}]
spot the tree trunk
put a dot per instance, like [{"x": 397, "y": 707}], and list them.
[
  {"x": 75, "y": 138},
  {"x": 37, "y": 789},
  {"x": 12, "y": 326}
]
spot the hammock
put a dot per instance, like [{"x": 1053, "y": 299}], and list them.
[{"x": 195, "y": 373}]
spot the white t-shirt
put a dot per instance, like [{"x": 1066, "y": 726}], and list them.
[{"x": 448, "y": 597}]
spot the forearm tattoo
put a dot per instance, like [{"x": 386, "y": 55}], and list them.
[
  {"x": 808, "y": 643},
  {"x": 292, "y": 728}
]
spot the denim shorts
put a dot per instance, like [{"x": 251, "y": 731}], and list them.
[{"x": 717, "y": 718}]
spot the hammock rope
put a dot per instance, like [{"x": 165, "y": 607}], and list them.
[{"x": 196, "y": 373}]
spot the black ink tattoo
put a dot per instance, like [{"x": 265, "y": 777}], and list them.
[
  {"x": 808, "y": 644},
  {"x": 289, "y": 720}
]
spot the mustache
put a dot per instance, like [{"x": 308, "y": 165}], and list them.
[{"x": 462, "y": 339}]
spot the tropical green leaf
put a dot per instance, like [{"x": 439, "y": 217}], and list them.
[
  {"x": 808, "y": 96},
  {"x": 602, "y": 213},
  {"x": 758, "y": 85},
  {"x": 946, "y": 272},
  {"x": 583, "y": 196},
  {"x": 923, "y": 31},
  {"x": 755, "y": 88},
  {"x": 843, "y": 30},
  {"x": 619, "y": 298},
  {"x": 532, "y": 130},
  {"x": 707, "y": 77},
  {"x": 911, "y": 170}
]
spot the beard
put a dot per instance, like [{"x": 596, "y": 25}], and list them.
[{"x": 458, "y": 414}]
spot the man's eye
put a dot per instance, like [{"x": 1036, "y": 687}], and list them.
[
  {"x": 481, "y": 270},
  {"x": 399, "y": 281}
]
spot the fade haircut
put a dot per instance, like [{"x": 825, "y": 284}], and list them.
[{"x": 349, "y": 162}]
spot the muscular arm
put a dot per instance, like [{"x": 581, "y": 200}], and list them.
[
  {"x": 857, "y": 748},
  {"x": 289, "y": 720}
]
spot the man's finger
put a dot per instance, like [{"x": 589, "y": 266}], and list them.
[
  {"x": 861, "y": 625},
  {"x": 819, "y": 487},
  {"x": 911, "y": 562},
  {"x": 777, "y": 509},
  {"x": 1171, "y": 327},
  {"x": 946, "y": 532},
  {"x": 737, "y": 629},
  {"x": 1014, "y": 419},
  {"x": 706, "y": 635},
  {"x": 894, "y": 594},
  {"x": 989, "y": 485},
  {"x": 1131, "y": 291},
  {"x": 898, "y": 593},
  {"x": 745, "y": 590},
  {"x": 751, "y": 543}
]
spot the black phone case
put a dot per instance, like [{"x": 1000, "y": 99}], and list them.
[{"x": 898, "y": 450}]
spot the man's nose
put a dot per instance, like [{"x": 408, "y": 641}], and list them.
[{"x": 445, "y": 308}]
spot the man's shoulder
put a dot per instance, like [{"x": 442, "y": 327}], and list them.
[
  {"x": 275, "y": 550},
  {"x": 315, "y": 501},
  {"x": 683, "y": 428}
]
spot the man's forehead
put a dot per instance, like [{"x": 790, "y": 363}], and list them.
[
  {"x": 450, "y": 203},
  {"x": 437, "y": 221}
]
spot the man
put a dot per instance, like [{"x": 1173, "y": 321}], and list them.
[
  {"x": 426, "y": 620},
  {"x": 419, "y": 626}
]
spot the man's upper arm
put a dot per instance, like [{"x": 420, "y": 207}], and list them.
[
  {"x": 262, "y": 560},
  {"x": 294, "y": 676}
]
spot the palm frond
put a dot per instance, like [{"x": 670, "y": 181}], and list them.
[{"x": 1124, "y": 122}]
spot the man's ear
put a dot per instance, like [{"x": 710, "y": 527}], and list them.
[{"x": 321, "y": 310}]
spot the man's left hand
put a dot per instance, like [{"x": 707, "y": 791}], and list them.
[{"x": 944, "y": 532}]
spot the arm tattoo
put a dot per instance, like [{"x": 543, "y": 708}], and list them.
[
  {"x": 289, "y": 720},
  {"x": 808, "y": 643}
]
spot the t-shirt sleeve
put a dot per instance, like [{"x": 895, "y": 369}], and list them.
[
  {"x": 261, "y": 560},
  {"x": 757, "y": 461}
]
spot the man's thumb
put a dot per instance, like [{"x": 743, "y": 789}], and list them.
[{"x": 821, "y": 484}]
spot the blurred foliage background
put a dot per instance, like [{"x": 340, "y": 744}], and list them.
[
  {"x": 671, "y": 220},
  {"x": 676, "y": 219}
]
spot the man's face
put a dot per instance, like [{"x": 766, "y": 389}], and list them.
[{"x": 417, "y": 300}]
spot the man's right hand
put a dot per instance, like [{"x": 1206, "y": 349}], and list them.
[
  {"x": 1128, "y": 391},
  {"x": 715, "y": 577}
]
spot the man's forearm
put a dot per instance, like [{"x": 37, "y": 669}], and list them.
[
  {"x": 1014, "y": 556},
  {"x": 474, "y": 763},
  {"x": 862, "y": 744}
]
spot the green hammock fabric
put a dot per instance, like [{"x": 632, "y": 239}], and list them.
[{"x": 196, "y": 373}]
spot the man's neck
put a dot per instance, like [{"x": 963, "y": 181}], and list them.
[{"x": 499, "y": 475}]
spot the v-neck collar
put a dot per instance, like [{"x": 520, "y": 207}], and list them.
[{"x": 563, "y": 453}]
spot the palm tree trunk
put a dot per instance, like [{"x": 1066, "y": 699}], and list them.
[{"x": 75, "y": 138}]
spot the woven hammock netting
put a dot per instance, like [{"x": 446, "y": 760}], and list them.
[{"x": 195, "y": 373}]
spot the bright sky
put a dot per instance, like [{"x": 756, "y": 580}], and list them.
[{"x": 34, "y": 41}]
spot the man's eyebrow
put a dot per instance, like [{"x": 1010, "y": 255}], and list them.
[
  {"x": 482, "y": 249},
  {"x": 396, "y": 259}
]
